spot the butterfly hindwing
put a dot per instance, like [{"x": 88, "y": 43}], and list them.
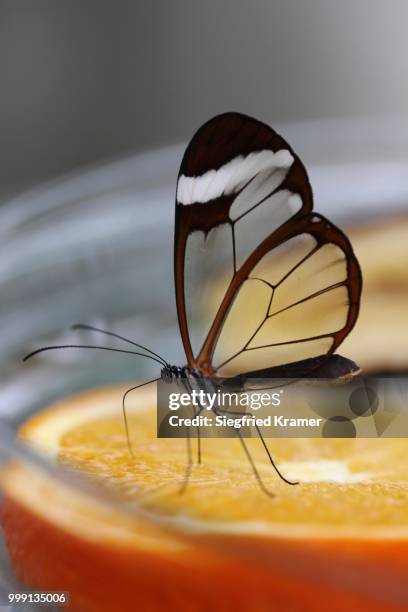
[{"x": 260, "y": 279}]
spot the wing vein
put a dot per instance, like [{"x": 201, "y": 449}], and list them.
[{"x": 309, "y": 297}]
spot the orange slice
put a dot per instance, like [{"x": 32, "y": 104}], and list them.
[{"x": 338, "y": 540}]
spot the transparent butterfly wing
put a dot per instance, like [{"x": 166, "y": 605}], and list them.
[
  {"x": 260, "y": 280},
  {"x": 299, "y": 301}
]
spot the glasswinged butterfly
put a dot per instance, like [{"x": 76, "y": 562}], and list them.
[{"x": 265, "y": 287}]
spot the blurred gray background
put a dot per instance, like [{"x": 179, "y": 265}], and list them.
[
  {"x": 84, "y": 80},
  {"x": 97, "y": 101}
]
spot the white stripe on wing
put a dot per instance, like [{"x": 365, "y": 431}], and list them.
[{"x": 230, "y": 177}]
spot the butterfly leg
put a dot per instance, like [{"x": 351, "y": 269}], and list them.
[
  {"x": 189, "y": 466},
  {"x": 190, "y": 382},
  {"x": 275, "y": 467},
  {"x": 253, "y": 466},
  {"x": 272, "y": 462},
  {"x": 124, "y": 411},
  {"x": 244, "y": 445}
]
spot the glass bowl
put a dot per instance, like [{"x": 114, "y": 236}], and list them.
[{"x": 96, "y": 248}]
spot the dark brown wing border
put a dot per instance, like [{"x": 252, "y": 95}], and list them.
[{"x": 215, "y": 143}]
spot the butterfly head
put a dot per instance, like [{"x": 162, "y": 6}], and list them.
[{"x": 170, "y": 373}]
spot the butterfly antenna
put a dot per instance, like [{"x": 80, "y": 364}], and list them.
[
  {"x": 113, "y": 335},
  {"x": 88, "y": 346},
  {"x": 275, "y": 467},
  {"x": 124, "y": 411}
]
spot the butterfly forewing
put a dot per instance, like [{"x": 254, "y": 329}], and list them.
[{"x": 261, "y": 281}]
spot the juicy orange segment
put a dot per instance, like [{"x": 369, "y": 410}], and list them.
[
  {"x": 341, "y": 536},
  {"x": 349, "y": 487}
]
